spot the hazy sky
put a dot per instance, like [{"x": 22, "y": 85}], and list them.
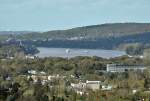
[{"x": 42, "y": 15}]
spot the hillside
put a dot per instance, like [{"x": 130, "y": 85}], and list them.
[
  {"x": 105, "y": 36},
  {"x": 93, "y": 32},
  {"x": 13, "y": 32},
  {"x": 4, "y": 35}
]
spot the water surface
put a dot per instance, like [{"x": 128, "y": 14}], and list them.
[{"x": 64, "y": 52}]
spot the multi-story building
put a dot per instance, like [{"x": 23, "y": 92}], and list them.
[{"x": 124, "y": 68}]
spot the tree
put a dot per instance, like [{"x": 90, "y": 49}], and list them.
[
  {"x": 147, "y": 56},
  {"x": 147, "y": 83},
  {"x": 134, "y": 49}
]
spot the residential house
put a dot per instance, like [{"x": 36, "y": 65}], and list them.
[
  {"x": 33, "y": 72},
  {"x": 94, "y": 85},
  {"x": 79, "y": 88},
  {"x": 106, "y": 87}
]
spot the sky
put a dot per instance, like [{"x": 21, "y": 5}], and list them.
[{"x": 45, "y": 15}]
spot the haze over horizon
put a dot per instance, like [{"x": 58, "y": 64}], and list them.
[{"x": 45, "y": 15}]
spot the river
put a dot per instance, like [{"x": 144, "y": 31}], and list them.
[{"x": 64, "y": 52}]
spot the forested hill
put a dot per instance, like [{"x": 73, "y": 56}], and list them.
[
  {"x": 93, "y": 32},
  {"x": 105, "y": 36}
]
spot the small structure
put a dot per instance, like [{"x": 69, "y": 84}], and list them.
[
  {"x": 38, "y": 79},
  {"x": 106, "y": 87},
  {"x": 67, "y": 51},
  {"x": 33, "y": 72},
  {"x": 51, "y": 77},
  {"x": 134, "y": 91},
  {"x": 7, "y": 77},
  {"x": 94, "y": 85},
  {"x": 10, "y": 58},
  {"x": 42, "y": 73},
  {"x": 123, "y": 68},
  {"x": 82, "y": 88},
  {"x": 29, "y": 57},
  {"x": 79, "y": 88}
]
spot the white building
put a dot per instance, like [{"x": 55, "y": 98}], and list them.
[
  {"x": 29, "y": 57},
  {"x": 94, "y": 85},
  {"x": 106, "y": 87},
  {"x": 123, "y": 68},
  {"x": 33, "y": 72},
  {"x": 81, "y": 87}
]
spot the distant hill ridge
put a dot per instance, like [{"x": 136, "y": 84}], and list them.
[
  {"x": 104, "y": 36},
  {"x": 94, "y": 31},
  {"x": 14, "y": 32},
  {"x": 88, "y": 32}
]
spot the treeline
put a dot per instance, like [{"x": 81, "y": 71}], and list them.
[
  {"x": 77, "y": 65},
  {"x": 13, "y": 50},
  {"x": 101, "y": 43}
]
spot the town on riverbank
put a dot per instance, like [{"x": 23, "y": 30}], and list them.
[
  {"x": 122, "y": 78},
  {"x": 75, "y": 68}
]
